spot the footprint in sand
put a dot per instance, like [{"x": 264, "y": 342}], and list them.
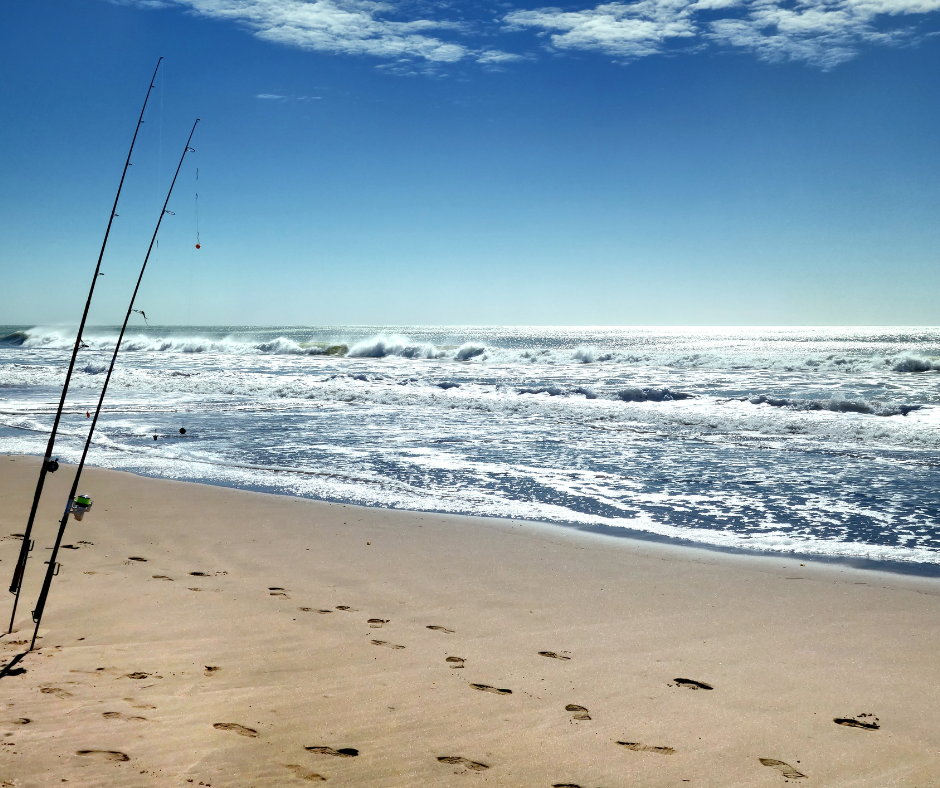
[
  {"x": 108, "y": 755},
  {"x": 692, "y": 684},
  {"x": 376, "y": 623},
  {"x": 347, "y": 607},
  {"x": 138, "y": 675},
  {"x": 139, "y": 706},
  {"x": 198, "y": 574},
  {"x": 241, "y": 730},
  {"x": 210, "y": 669},
  {"x": 90, "y": 544},
  {"x": 342, "y": 752},
  {"x": 637, "y": 747},
  {"x": 161, "y": 577},
  {"x": 581, "y": 713},
  {"x": 868, "y": 722},
  {"x": 784, "y": 768},
  {"x": 554, "y": 655},
  {"x": 456, "y": 662},
  {"x": 456, "y": 760},
  {"x": 116, "y": 715},
  {"x": 136, "y": 558},
  {"x": 70, "y": 547},
  {"x": 385, "y": 643},
  {"x": 441, "y": 629},
  {"x": 59, "y": 693},
  {"x": 22, "y": 721},
  {"x": 302, "y": 773},
  {"x": 488, "y": 688}
]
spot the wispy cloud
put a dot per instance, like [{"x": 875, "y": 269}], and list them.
[
  {"x": 495, "y": 57},
  {"x": 821, "y": 32},
  {"x": 282, "y": 97},
  {"x": 410, "y": 37},
  {"x": 626, "y": 30},
  {"x": 143, "y": 3},
  {"x": 352, "y": 27}
]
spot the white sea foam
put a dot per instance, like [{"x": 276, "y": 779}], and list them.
[{"x": 824, "y": 441}]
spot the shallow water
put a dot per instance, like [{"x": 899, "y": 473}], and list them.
[{"x": 820, "y": 441}]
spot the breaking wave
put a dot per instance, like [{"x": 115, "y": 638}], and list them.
[
  {"x": 836, "y": 404},
  {"x": 669, "y": 356},
  {"x": 381, "y": 347},
  {"x": 780, "y": 439}
]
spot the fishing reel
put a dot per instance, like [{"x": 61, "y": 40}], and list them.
[{"x": 80, "y": 506}]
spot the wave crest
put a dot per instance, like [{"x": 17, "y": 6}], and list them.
[
  {"x": 835, "y": 404},
  {"x": 382, "y": 347},
  {"x": 389, "y": 346}
]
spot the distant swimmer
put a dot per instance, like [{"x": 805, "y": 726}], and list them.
[{"x": 154, "y": 437}]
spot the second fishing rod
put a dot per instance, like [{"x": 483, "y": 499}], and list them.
[{"x": 79, "y": 506}]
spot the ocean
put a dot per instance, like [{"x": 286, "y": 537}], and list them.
[{"x": 818, "y": 442}]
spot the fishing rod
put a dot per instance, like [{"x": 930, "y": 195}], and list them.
[
  {"x": 79, "y": 504},
  {"x": 50, "y": 465}
]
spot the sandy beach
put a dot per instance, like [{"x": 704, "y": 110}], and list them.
[{"x": 199, "y": 635}]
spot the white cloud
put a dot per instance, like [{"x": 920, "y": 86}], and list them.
[
  {"x": 352, "y": 27},
  {"x": 142, "y": 3},
  {"x": 822, "y": 32},
  {"x": 620, "y": 29},
  {"x": 282, "y": 97},
  {"x": 494, "y": 56}
]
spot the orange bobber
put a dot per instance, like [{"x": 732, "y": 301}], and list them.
[{"x": 198, "y": 246}]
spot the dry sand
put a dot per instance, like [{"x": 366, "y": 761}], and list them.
[{"x": 208, "y": 636}]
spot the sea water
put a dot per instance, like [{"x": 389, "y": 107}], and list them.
[{"x": 814, "y": 441}]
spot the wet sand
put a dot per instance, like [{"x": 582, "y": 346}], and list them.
[{"x": 198, "y": 635}]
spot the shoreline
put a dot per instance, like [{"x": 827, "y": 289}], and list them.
[
  {"x": 637, "y": 537},
  {"x": 243, "y": 639}
]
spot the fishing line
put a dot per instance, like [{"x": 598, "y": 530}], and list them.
[
  {"x": 79, "y": 504},
  {"x": 160, "y": 136},
  {"x": 189, "y": 305},
  {"x": 198, "y": 245},
  {"x": 50, "y": 465}
]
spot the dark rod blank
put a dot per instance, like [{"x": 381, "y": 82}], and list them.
[
  {"x": 47, "y": 462},
  {"x": 51, "y": 571}
]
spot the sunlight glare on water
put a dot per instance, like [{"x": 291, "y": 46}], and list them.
[{"x": 814, "y": 440}]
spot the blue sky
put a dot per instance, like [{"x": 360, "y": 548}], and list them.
[{"x": 656, "y": 162}]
